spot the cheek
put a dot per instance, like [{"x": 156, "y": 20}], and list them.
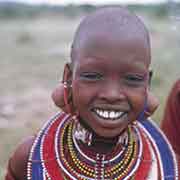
[
  {"x": 83, "y": 95},
  {"x": 76, "y": 96}
]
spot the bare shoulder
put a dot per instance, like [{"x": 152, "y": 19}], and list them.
[{"x": 18, "y": 161}]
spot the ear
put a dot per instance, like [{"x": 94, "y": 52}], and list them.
[
  {"x": 67, "y": 90},
  {"x": 67, "y": 75}
]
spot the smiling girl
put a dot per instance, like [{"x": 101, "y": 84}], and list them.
[{"x": 103, "y": 135}]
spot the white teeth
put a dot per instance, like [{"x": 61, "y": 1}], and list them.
[
  {"x": 112, "y": 114},
  {"x": 101, "y": 113},
  {"x": 108, "y": 114},
  {"x": 105, "y": 114}
]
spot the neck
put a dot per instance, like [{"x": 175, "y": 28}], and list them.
[{"x": 103, "y": 145}]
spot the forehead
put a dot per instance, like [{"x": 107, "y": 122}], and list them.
[{"x": 117, "y": 49}]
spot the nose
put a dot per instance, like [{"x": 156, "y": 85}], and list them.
[{"x": 112, "y": 93}]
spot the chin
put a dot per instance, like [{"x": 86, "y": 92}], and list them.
[{"x": 105, "y": 133}]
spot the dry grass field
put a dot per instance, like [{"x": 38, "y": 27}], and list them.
[{"x": 32, "y": 55}]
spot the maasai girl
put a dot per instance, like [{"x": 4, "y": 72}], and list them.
[{"x": 104, "y": 135}]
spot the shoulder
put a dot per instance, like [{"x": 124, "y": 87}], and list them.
[
  {"x": 17, "y": 165},
  {"x": 19, "y": 159}
]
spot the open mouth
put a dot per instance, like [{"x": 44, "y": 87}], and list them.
[{"x": 109, "y": 114}]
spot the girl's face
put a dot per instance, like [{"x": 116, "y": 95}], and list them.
[{"x": 109, "y": 82}]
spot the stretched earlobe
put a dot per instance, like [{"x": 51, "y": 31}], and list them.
[
  {"x": 57, "y": 96},
  {"x": 152, "y": 103}
]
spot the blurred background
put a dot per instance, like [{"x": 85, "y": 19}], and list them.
[{"x": 35, "y": 40}]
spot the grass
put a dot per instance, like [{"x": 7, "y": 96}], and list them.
[{"x": 33, "y": 52}]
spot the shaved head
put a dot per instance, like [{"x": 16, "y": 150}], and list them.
[{"x": 112, "y": 23}]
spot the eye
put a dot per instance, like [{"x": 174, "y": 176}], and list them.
[
  {"x": 134, "y": 79},
  {"x": 91, "y": 76}
]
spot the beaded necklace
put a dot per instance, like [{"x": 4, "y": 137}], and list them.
[
  {"x": 66, "y": 162},
  {"x": 95, "y": 166},
  {"x": 57, "y": 155}
]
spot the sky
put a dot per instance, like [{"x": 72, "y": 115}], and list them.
[{"x": 63, "y": 2}]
